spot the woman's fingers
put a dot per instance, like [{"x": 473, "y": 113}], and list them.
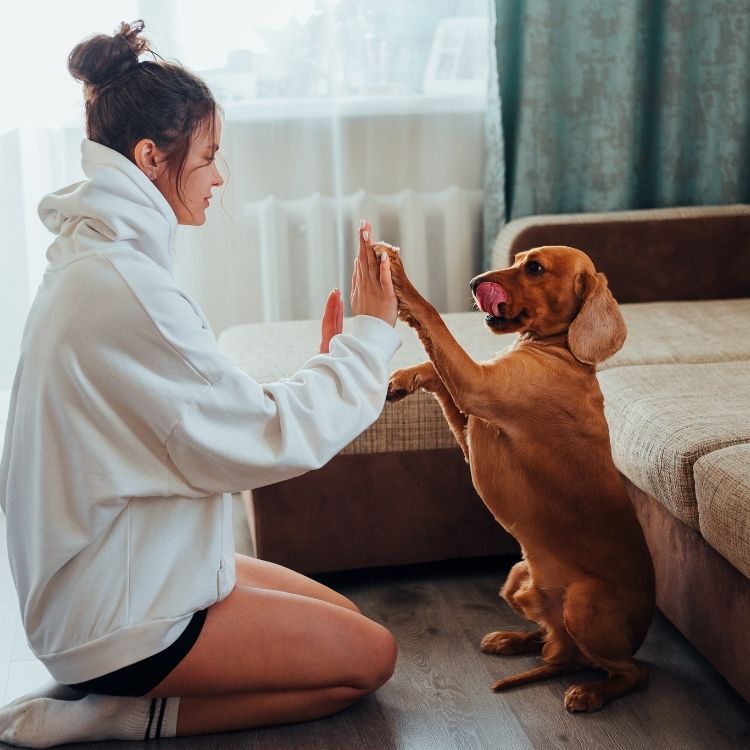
[
  {"x": 366, "y": 254},
  {"x": 372, "y": 287},
  {"x": 362, "y": 242},
  {"x": 386, "y": 281},
  {"x": 331, "y": 317},
  {"x": 355, "y": 285}
]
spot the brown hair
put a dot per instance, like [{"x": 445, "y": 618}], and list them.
[{"x": 127, "y": 100}]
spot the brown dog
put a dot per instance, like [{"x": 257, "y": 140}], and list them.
[{"x": 532, "y": 428}]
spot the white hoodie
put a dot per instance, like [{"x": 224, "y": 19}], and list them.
[{"x": 127, "y": 425}]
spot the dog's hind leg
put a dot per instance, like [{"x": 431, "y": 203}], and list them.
[
  {"x": 597, "y": 621},
  {"x": 543, "y": 609},
  {"x": 518, "y": 581},
  {"x": 515, "y": 641}
]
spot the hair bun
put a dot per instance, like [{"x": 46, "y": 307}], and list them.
[{"x": 101, "y": 59}]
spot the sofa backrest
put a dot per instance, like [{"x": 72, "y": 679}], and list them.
[{"x": 700, "y": 252}]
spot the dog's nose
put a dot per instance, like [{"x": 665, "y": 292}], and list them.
[{"x": 473, "y": 284}]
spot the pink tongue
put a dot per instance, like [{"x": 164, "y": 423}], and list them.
[{"x": 490, "y": 295}]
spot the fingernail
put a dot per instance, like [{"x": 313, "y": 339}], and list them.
[
  {"x": 366, "y": 236},
  {"x": 383, "y": 256},
  {"x": 362, "y": 223}
]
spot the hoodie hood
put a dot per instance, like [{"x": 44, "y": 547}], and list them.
[{"x": 116, "y": 205}]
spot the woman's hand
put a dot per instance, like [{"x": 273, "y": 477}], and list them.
[
  {"x": 333, "y": 320},
  {"x": 372, "y": 288}
]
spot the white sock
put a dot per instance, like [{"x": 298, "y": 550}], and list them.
[
  {"x": 56, "y": 714},
  {"x": 50, "y": 689}
]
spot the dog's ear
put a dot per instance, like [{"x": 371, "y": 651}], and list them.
[{"x": 598, "y": 331}]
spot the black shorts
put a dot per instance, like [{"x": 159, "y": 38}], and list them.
[{"x": 143, "y": 676}]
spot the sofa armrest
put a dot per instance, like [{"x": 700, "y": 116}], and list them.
[{"x": 700, "y": 252}]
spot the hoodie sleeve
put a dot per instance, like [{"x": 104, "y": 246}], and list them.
[{"x": 240, "y": 434}]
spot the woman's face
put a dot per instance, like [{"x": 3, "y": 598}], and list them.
[{"x": 199, "y": 177}]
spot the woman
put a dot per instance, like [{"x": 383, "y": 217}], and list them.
[{"x": 127, "y": 427}]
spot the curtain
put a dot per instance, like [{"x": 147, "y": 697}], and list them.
[
  {"x": 617, "y": 104},
  {"x": 334, "y": 110}
]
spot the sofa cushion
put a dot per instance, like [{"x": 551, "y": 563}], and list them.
[
  {"x": 722, "y": 488},
  {"x": 663, "y": 418},
  {"x": 274, "y": 350},
  {"x": 706, "y": 331}
]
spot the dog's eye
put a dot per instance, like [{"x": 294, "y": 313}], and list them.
[{"x": 534, "y": 267}]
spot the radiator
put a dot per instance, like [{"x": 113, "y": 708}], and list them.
[{"x": 307, "y": 246}]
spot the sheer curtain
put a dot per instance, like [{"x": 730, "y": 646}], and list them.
[{"x": 333, "y": 110}]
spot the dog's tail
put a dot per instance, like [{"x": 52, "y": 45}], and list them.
[{"x": 538, "y": 673}]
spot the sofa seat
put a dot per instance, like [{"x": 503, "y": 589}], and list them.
[
  {"x": 663, "y": 418},
  {"x": 722, "y": 488},
  {"x": 704, "y": 331}
]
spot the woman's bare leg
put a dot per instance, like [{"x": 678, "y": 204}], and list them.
[
  {"x": 261, "y": 574},
  {"x": 268, "y": 657},
  {"x": 228, "y": 713},
  {"x": 263, "y": 679}
]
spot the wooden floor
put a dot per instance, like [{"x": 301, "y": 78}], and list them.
[{"x": 439, "y": 697}]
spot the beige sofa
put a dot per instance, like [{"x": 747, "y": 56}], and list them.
[{"x": 677, "y": 399}]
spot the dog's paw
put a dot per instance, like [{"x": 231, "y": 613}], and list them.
[
  {"x": 401, "y": 384},
  {"x": 408, "y": 297},
  {"x": 383, "y": 247},
  {"x": 396, "y": 395},
  {"x": 583, "y": 698},
  {"x": 510, "y": 642},
  {"x": 407, "y": 316},
  {"x": 494, "y": 643},
  {"x": 398, "y": 275}
]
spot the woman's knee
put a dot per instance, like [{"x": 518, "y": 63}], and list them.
[
  {"x": 376, "y": 668},
  {"x": 389, "y": 654}
]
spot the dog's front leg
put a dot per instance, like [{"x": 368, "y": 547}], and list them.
[
  {"x": 410, "y": 379},
  {"x": 461, "y": 375}
]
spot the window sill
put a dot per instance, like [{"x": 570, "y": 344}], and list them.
[{"x": 360, "y": 106}]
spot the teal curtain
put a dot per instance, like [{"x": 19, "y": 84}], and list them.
[{"x": 617, "y": 104}]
